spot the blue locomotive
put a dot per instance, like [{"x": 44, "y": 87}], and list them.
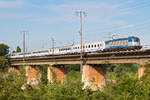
[{"x": 129, "y": 43}]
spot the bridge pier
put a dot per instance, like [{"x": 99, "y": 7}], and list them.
[
  {"x": 33, "y": 75},
  {"x": 56, "y": 74},
  {"x": 14, "y": 69},
  {"x": 141, "y": 71},
  {"x": 93, "y": 76}
]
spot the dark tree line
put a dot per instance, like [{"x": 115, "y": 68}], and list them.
[{"x": 4, "y": 49}]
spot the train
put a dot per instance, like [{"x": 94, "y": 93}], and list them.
[{"x": 129, "y": 43}]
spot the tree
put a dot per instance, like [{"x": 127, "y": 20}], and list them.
[
  {"x": 3, "y": 63},
  {"x": 4, "y": 49},
  {"x": 18, "y": 49}
]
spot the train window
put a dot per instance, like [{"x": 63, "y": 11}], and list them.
[
  {"x": 125, "y": 42},
  {"x": 78, "y": 47},
  {"x": 113, "y": 44},
  {"x": 92, "y": 46},
  {"x": 101, "y": 44},
  {"x": 86, "y": 46},
  {"x": 83, "y": 46},
  {"x": 116, "y": 43},
  {"x": 121, "y": 42},
  {"x": 89, "y": 46},
  {"x": 95, "y": 45}
]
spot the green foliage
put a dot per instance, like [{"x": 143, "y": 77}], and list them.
[
  {"x": 4, "y": 49},
  {"x": 72, "y": 67},
  {"x": 44, "y": 75},
  {"x": 117, "y": 71},
  {"x": 10, "y": 86},
  {"x": 3, "y": 63},
  {"x": 18, "y": 49},
  {"x": 74, "y": 76},
  {"x": 127, "y": 86}
]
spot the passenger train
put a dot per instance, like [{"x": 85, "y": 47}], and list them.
[{"x": 129, "y": 43}]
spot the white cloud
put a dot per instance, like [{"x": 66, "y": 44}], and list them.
[
  {"x": 5, "y": 15},
  {"x": 97, "y": 12},
  {"x": 9, "y": 4},
  {"x": 128, "y": 26}
]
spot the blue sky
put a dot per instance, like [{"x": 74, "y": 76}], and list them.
[{"x": 44, "y": 19}]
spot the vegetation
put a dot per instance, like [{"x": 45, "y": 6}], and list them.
[
  {"x": 127, "y": 86},
  {"x": 4, "y": 49},
  {"x": 3, "y": 63},
  {"x": 18, "y": 49}
]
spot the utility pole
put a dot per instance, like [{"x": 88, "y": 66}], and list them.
[
  {"x": 73, "y": 42},
  {"x": 24, "y": 44},
  {"x": 81, "y": 13},
  {"x": 53, "y": 42}
]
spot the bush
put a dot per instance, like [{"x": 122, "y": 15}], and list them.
[
  {"x": 3, "y": 63},
  {"x": 128, "y": 87}
]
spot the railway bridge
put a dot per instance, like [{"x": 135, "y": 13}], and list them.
[{"x": 93, "y": 65}]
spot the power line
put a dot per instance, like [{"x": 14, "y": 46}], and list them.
[
  {"x": 132, "y": 4},
  {"x": 133, "y": 7},
  {"x": 123, "y": 27}
]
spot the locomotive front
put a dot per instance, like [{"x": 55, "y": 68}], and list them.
[{"x": 134, "y": 42}]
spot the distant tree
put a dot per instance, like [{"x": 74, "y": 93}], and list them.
[
  {"x": 13, "y": 51},
  {"x": 18, "y": 49},
  {"x": 3, "y": 63},
  {"x": 4, "y": 49}
]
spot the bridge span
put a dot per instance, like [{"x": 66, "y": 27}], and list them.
[{"x": 92, "y": 64}]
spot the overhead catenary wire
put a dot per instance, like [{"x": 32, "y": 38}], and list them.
[{"x": 130, "y": 8}]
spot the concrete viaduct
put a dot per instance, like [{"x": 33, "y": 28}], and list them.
[{"x": 93, "y": 68}]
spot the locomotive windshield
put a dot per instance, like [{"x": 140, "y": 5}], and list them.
[{"x": 136, "y": 40}]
